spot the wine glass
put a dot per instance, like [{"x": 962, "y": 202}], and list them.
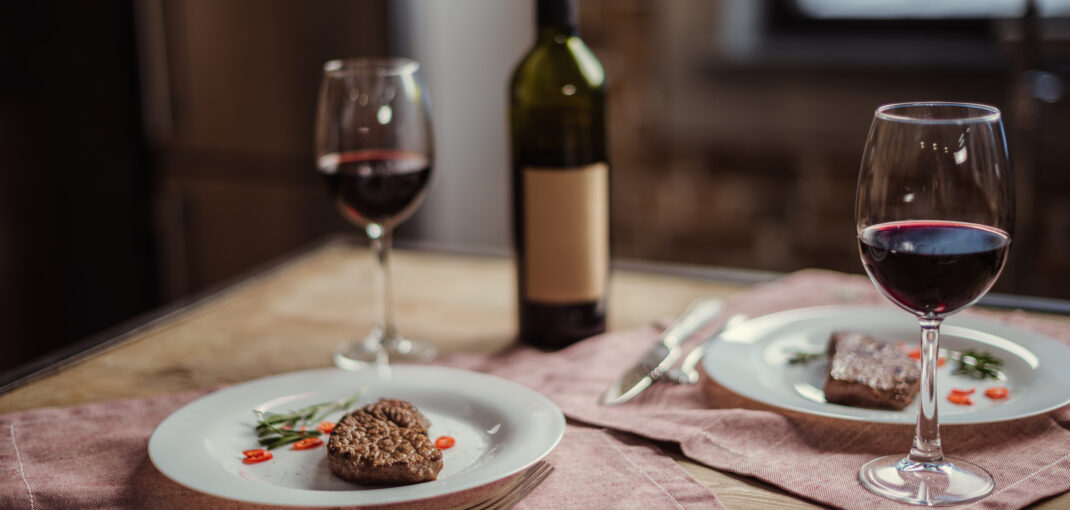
[
  {"x": 374, "y": 149},
  {"x": 934, "y": 215}
]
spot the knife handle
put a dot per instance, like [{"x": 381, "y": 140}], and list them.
[
  {"x": 698, "y": 313},
  {"x": 664, "y": 355}
]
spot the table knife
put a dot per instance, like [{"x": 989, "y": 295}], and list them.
[
  {"x": 687, "y": 373},
  {"x": 664, "y": 353}
]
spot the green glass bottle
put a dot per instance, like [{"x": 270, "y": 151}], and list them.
[{"x": 560, "y": 184}]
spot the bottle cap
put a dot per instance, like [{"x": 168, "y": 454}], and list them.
[{"x": 556, "y": 13}]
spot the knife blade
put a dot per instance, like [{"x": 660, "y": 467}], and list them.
[{"x": 664, "y": 353}]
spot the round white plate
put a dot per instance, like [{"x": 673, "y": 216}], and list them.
[
  {"x": 501, "y": 428},
  {"x": 751, "y": 359}
]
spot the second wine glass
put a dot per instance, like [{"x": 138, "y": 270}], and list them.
[
  {"x": 374, "y": 149},
  {"x": 934, "y": 215}
]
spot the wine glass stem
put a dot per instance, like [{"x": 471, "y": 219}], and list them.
[
  {"x": 927, "y": 435},
  {"x": 380, "y": 241}
]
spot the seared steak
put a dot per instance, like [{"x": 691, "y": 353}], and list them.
[
  {"x": 865, "y": 372},
  {"x": 384, "y": 443}
]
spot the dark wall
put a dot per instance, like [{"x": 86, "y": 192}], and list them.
[
  {"x": 153, "y": 149},
  {"x": 75, "y": 224},
  {"x": 237, "y": 182}
]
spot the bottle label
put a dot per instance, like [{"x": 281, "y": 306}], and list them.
[{"x": 566, "y": 233}]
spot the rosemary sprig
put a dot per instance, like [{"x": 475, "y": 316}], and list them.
[
  {"x": 277, "y": 429},
  {"x": 976, "y": 364},
  {"x": 272, "y": 437},
  {"x": 803, "y": 358}
]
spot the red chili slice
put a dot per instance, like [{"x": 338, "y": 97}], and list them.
[
  {"x": 307, "y": 443},
  {"x": 445, "y": 442},
  {"x": 256, "y": 456},
  {"x": 997, "y": 392},
  {"x": 963, "y": 392},
  {"x": 916, "y": 354},
  {"x": 326, "y": 427},
  {"x": 962, "y": 400}
]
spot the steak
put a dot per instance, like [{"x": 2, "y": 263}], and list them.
[
  {"x": 865, "y": 372},
  {"x": 384, "y": 443}
]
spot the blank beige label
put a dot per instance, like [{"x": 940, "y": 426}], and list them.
[{"x": 566, "y": 233}]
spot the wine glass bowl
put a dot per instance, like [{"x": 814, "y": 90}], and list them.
[
  {"x": 934, "y": 216},
  {"x": 374, "y": 150}
]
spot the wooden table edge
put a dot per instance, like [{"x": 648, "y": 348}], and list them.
[{"x": 111, "y": 337}]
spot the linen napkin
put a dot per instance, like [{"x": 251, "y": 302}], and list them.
[
  {"x": 96, "y": 457},
  {"x": 814, "y": 457}
]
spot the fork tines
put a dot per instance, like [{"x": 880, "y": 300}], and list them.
[{"x": 517, "y": 489}]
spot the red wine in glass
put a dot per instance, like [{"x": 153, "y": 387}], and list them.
[
  {"x": 376, "y": 186},
  {"x": 933, "y": 268}
]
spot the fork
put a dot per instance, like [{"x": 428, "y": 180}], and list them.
[{"x": 515, "y": 490}]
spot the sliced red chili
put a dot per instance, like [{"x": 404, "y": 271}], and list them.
[
  {"x": 256, "y": 456},
  {"x": 916, "y": 354},
  {"x": 962, "y": 400},
  {"x": 958, "y": 391},
  {"x": 307, "y": 443},
  {"x": 445, "y": 442},
  {"x": 997, "y": 392},
  {"x": 326, "y": 427}
]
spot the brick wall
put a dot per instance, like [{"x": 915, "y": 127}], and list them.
[{"x": 753, "y": 162}]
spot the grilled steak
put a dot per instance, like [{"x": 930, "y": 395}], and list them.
[
  {"x": 865, "y": 372},
  {"x": 383, "y": 443}
]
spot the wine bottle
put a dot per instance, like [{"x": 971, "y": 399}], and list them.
[{"x": 560, "y": 184}]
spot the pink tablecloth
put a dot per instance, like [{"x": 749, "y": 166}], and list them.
[
  {"x": 814, "y": 457},
  {"x": 94, "y": 456}
]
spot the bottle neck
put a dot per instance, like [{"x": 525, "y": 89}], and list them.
[{"x": 556, "y": 17}]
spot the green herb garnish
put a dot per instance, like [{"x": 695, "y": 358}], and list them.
[
  {"x": 277, "y": 429},
  {"x": 976, "y": 364},
  {"x": 272, "y": 437},
  {"x": 803, "y": 358}
]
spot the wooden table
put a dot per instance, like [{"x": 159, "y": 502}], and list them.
[{"x": 290, "y": 317}]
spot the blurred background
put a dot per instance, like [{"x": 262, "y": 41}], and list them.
[{"x": 153, "y": 149}]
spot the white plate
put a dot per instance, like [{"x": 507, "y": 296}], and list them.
[
  {"x": 751, "y": 360},
  {"x": 501, "y": 428}
]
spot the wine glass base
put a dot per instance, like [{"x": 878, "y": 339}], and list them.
[
  {"x": 371, "y": 351},
  {"x": 947, "y": 482}
]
